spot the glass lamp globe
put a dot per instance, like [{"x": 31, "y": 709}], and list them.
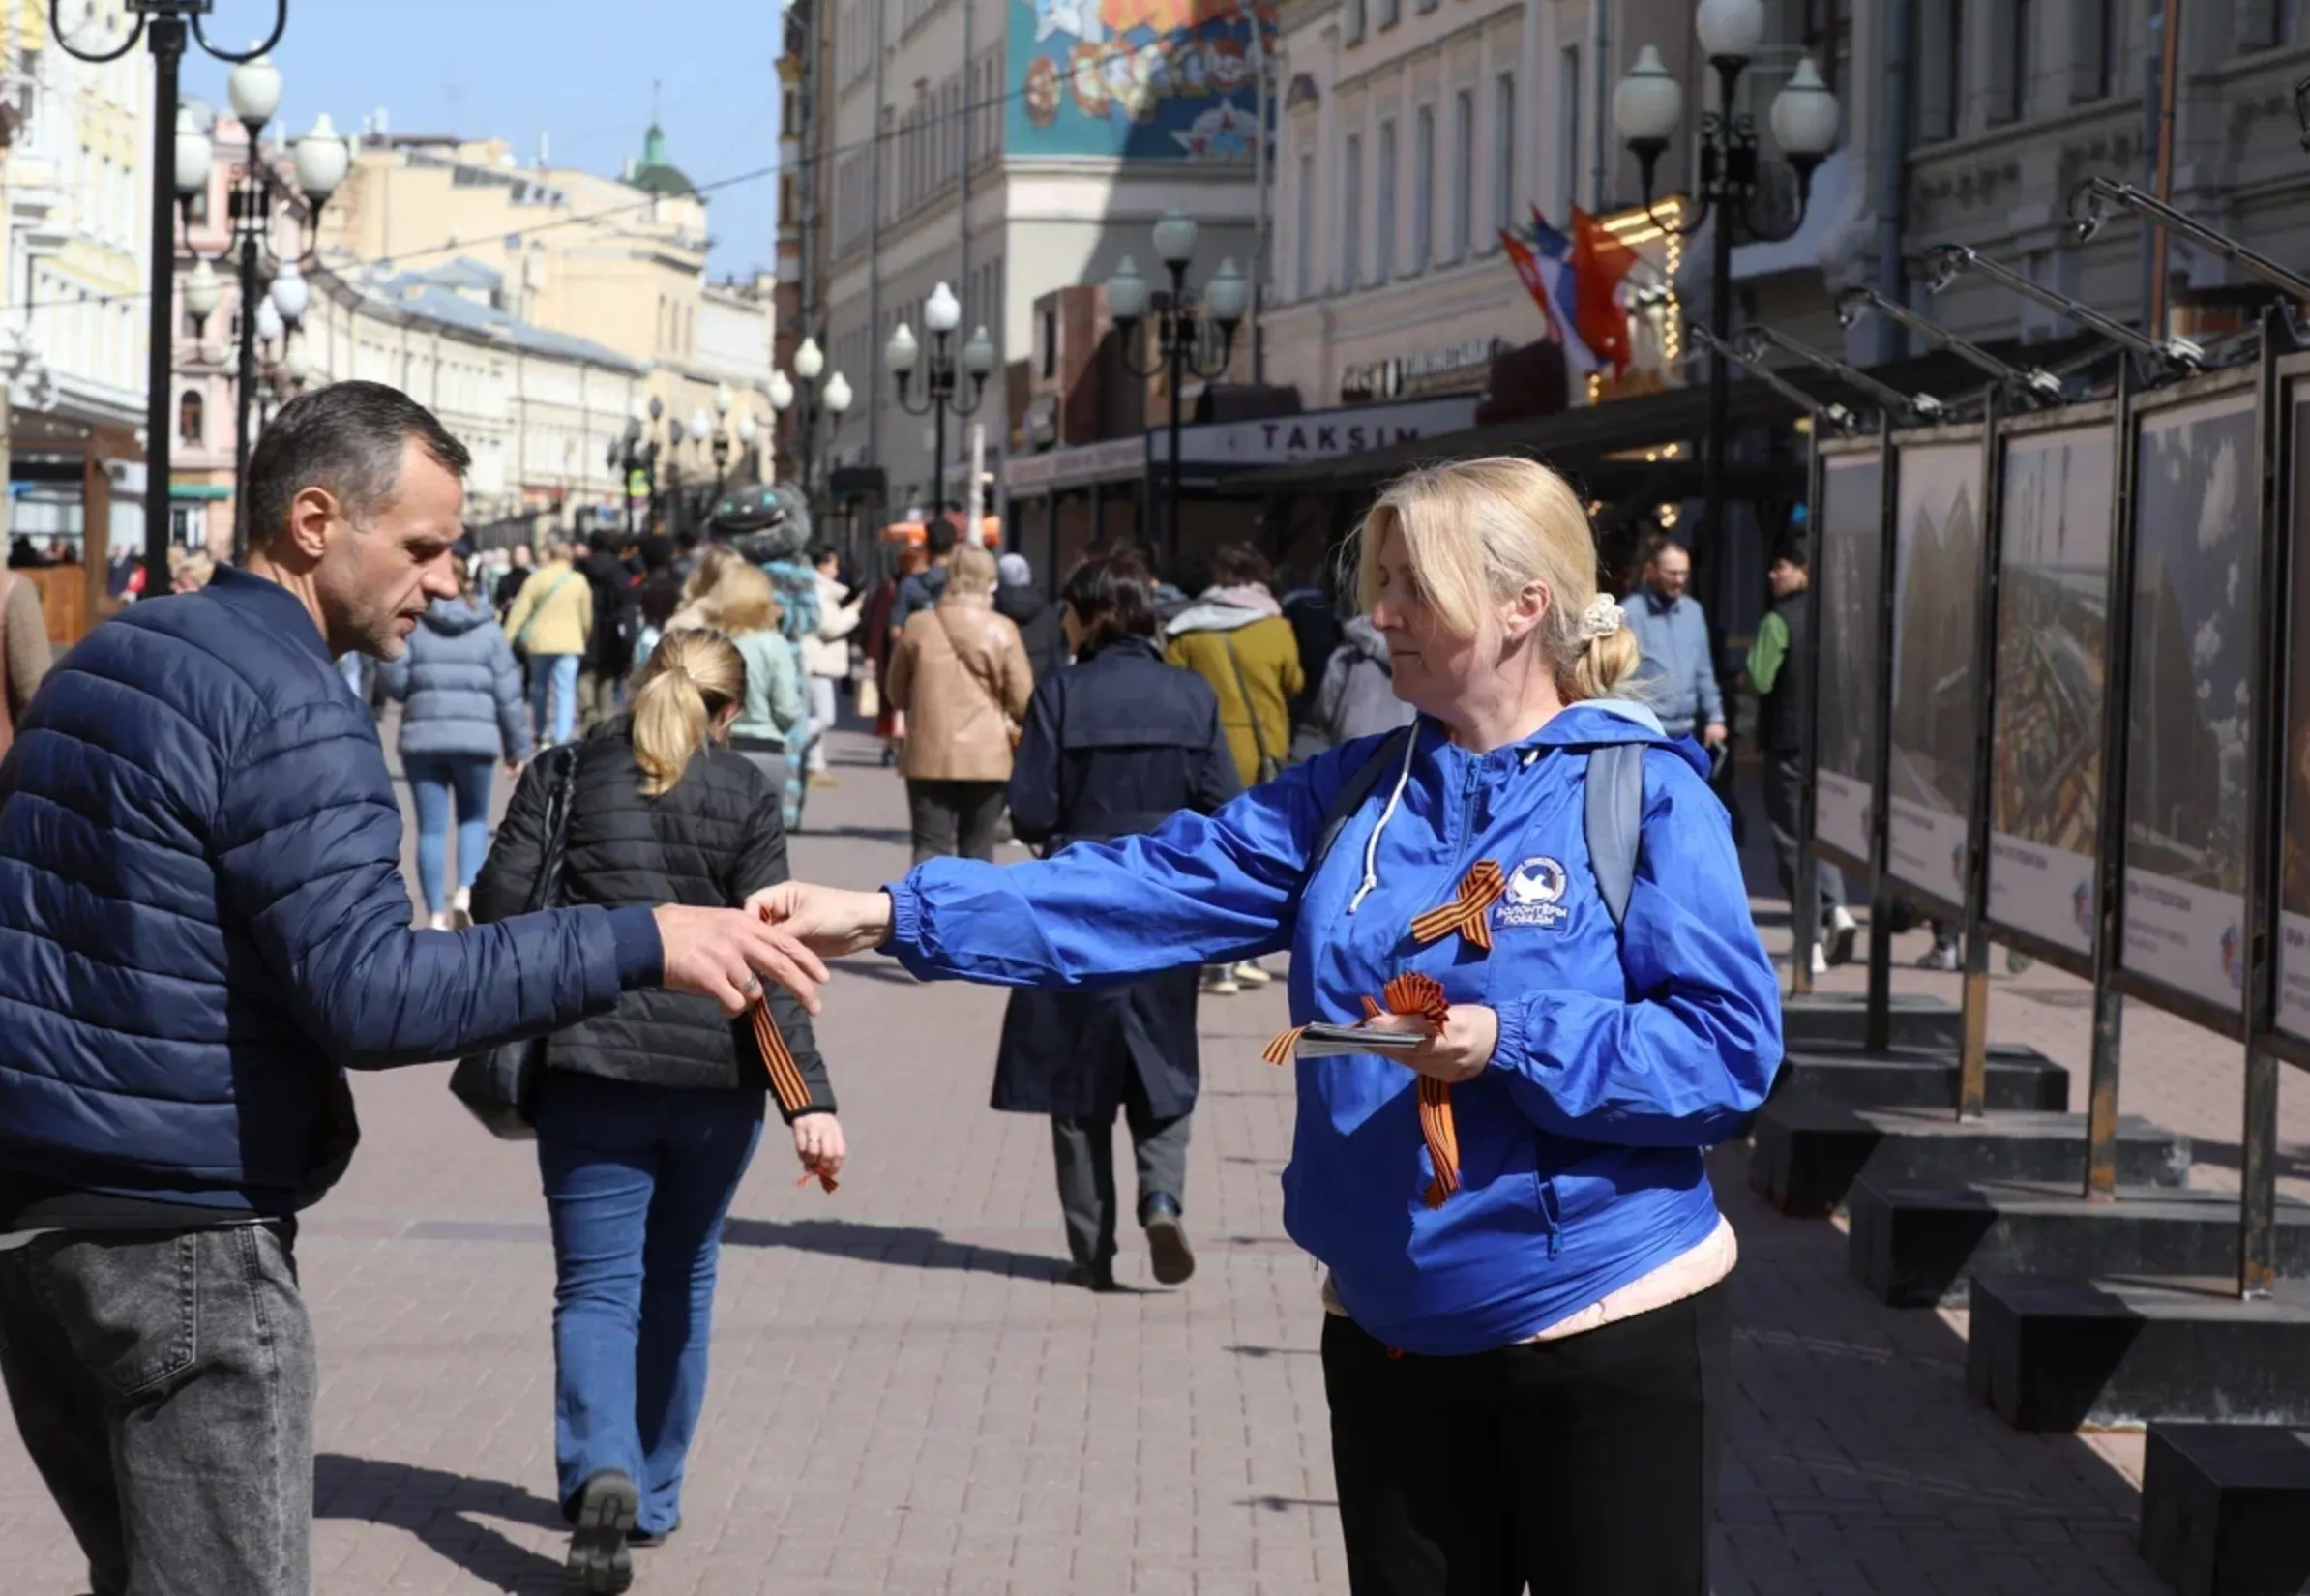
[
  {"x": 978, "y": 355},
  {"x": 1174, "y": 238},
  {"x": 322, "y": 159},
  {"x": 942, "y": 312},
  {"x": 837, "y": 393},
  {"x": 809, "y": 360},
  {"x": 291, "y": 294},
  {"x": 269, "y": 325},
  {"x": 1805, "y": 115},
  {"x": 782, "y": 390},
  {"x": 657, "y": 407},
  {"x": 1647, "y": 105},
  {"x": 204, "y": 289},
  {"x": 701, "y": 423},
  {"x": 193, "y": 153},
  {"x": 748, "y": 430},
  {"x": 903, "y": 351},
  {"x": 1127, "y": 292},
  {"x": 1730, "y": 28},
  {"x": 723, "y": 399},
  {"x": 255, "y": 90},
  {"x": 1227, "y": 295}
]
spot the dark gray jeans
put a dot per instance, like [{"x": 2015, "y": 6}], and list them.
[
  {"x": 1084, "y": 1149},
  {"x": 164, "y": 1385}
]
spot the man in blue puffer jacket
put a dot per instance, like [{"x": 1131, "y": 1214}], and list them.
[{"x": 202, "y": 926}]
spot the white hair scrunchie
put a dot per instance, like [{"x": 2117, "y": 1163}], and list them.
[{"x": 1600, "y": 619}]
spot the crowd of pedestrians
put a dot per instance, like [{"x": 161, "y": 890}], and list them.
[{"x": 1204, "y": 774}]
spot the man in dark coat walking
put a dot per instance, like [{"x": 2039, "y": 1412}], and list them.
[
  {"x": 1113, "y": 746},
  {"x": 203, "y": 925},
  {"x": 1036, "y": 617}
]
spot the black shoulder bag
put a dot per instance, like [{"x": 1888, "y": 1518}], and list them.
[{"x": 500, "y": 1087}]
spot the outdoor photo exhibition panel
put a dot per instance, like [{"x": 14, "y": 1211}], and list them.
[
  {"x": 1847, "y": 553},
  {"x": 2293, "y": 849},
  {"x": 2053, "y": 650},
  {"x": 2190, "y": 696},
  {"x": 1936, "y": 587}
]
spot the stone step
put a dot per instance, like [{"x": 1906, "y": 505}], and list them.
[
  {"x": 1841, "y": 1020},
  {"x": 2226, "y": 1508},
  {"x": 1921, "y": 1245},
  {"x": 1805, "y": 1157},
  {"x": 1917, "y": 1078},
  {"x": 2053, "y": 1353}
]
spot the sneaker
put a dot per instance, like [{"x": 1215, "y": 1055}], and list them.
[
  {"x": 1821, "y": 960},
  {"x": 460, "y": 902},
  {"x": 600, "y": 1564},
  {"x": 1219, "y": 979},
  {"x": 1166, "y": 1240},
  {"x": 1842, "y": 930},
  {"x": 645, "y": 1540},
  {"x": 1093, "y": 1277},
  {"x": 1250, "y": 974},
  {"x": 438, "y": 922},
  {"x": 1941, "y": 956}
]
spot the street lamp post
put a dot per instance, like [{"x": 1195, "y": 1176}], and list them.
[
  {"x": 631, "y": 452},
  {"x": 1649, "y": 108},
  {"x": 723, "y": 400},
  {"x": 166, "y": 25},
  {"x": 321, "y": 160},
  {"x": 942, "y": 313},
  {"x": 833, "y": 397},
  {"x": 1224, "y": 300}
]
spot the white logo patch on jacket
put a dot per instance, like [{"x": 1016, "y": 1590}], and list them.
[{"x": 1536, "y": 895}]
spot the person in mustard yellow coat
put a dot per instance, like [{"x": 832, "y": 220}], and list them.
[
  {"x": 551, "y": 619},
  {"x": 1236, "y": 637}
]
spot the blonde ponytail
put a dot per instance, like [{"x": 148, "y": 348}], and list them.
[
  {"x": 1603, "y": 665},
  {"x": 693, "y": 676}
]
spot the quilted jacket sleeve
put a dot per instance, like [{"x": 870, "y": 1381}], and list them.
[{"x": 307, "y": 838}]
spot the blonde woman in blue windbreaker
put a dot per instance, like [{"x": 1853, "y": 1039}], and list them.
[{"x": 1526, "y": 1332}]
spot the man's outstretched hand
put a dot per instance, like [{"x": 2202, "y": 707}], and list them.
[
  {"x": 827, "y": 920},
  {"x": 727, "y": 954}
]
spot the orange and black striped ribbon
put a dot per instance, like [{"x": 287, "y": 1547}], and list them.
[
  {"x": 1423, "y": 995},
  {"x": 785, "y": 1075},
  {"x": 1471, "y": 913}
]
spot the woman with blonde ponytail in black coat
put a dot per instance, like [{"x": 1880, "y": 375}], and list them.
[{"x": 648, "y": 1116}]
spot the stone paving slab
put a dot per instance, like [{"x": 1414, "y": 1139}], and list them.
[{"x": 903, "y": 1400}]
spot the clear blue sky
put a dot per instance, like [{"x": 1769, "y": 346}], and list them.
[{"x": 579, "y": 71}]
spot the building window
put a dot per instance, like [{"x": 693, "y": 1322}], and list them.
[
  {"x": 1463, "y": 172},
  {"x": 1504, "y": 151},
  {"x": 2012, "y": 62},
  {"x": 1941, "y": 69},
  {"x": 1423, "y": 187},
  {"x": 1568, "y": 86},
  {"x": 1383, "y": 242},
  {"x": 2265, "y": 24},
  {"x": 1049, "y": 344},
  {"x": 1391, "y": 11},
  {"x": 1351, "y": 213},
  {"x": 1352, "y": 30},
  {"x": 191, "y": 417},
  {"x": 2093, "y": 41},
  {"x": 1303, "y": 221}
]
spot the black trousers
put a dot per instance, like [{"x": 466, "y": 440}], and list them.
[
  {"x": 1784, "y": 791},
  {"x": 953, "y": 818},
  {"x": 1584, "y": 1466}
]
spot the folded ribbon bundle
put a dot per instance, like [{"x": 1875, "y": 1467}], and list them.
[{"x": 1422, "y": 995}]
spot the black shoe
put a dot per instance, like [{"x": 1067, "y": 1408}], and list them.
[
  {"x": 1095, "y": 1277},
  {"x": 644, "y": 1540},
  {"x": 599, "y": 1563},
  {"x": 1167, "y": 1239}
]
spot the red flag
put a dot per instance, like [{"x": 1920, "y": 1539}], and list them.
[
  {"x": 1599, "y": 261},
  {"x": 1527, "y": 269}
]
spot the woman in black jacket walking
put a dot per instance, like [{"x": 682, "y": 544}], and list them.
[
  {"x": 1113, "y": 746},
  {"x": 647, "y": 1117}
]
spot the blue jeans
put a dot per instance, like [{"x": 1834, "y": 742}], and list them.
[
  {"x": 638, "y": 1182},
  {"x": 434, "y": 780},
  {"x": 554, "y": 685}
]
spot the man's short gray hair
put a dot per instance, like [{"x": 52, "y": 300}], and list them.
[{"x": 348, "y": 439}]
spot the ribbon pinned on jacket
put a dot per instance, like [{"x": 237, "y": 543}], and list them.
[
  {"x": 785, "y": 1075},
  {"x": 1419, "y": 994},
  {"x": 1471, "y": 913}
]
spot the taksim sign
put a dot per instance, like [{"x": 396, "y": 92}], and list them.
[{"x": 1318, "y": 434}]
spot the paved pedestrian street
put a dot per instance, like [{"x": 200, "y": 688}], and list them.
[{"x": 905, "y": 1400}]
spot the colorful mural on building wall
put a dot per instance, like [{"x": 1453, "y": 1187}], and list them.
[{"x": 1141, "y": 79}]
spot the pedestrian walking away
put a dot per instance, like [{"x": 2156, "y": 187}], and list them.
[
  {"x": 1112, "y": 747},
  {"x": 1778, "y": 672},
  {"x": 1234, "y": 637},
  {"x": 646, "y": 1119},
  {"x": 826, "y": 656},
  {"x": 770, "y": 709},
  {"x": 1357, "y": 698},
  {"x": 1041, "y": 627},
  {"x": 195, "y": 785},
  {"x": 463, "y": 711},
  {"x": 552, "y": 619},
  {"x": 1533, "y": 892},
  {"x": 961, "y": 678}
]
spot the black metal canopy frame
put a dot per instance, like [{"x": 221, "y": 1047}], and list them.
[{"x": 166, "y": 25}]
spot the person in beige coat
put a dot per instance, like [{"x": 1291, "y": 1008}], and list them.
[
  {"x": 548, "y": 626},
  {"x": 959, "y": 675}
]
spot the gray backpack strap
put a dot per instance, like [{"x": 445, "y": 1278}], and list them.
[
  {"x": 1353, "y": 794},
  {"x": 1615, "y": 821}
]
